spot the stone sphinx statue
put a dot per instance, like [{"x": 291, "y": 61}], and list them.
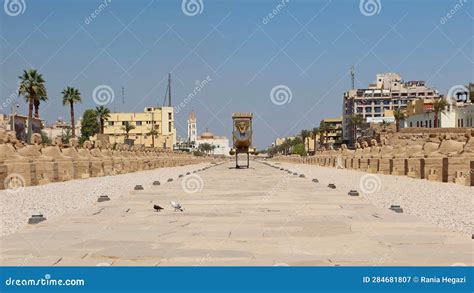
[{"x": 63, "y": 165}]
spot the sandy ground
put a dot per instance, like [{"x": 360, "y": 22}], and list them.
[
  {"x": 256, "y": 216},
  {"x": 55, "y": 199},
  {"x": 445, "y": 204}
]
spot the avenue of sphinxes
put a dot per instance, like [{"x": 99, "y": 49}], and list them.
[
  {"x": 36, "y": 163},
  {"x": 444, "y": 156}
]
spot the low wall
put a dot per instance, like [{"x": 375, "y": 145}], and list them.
[
  {"x": 444, "y": 158},
  {"x": 25, "y": 165}
]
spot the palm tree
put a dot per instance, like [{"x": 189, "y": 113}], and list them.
[
  {"x": 356, "y": 120},
  {"x": 384, "y": 124},
  {"x": 398, "y": 115},
  {"x": 304, "y": 134},
  {"x": 71, "y": 96},
  {"x": 103, "y": 114},
  {"x": 37, "y": 103},
  {"x": 314, "y": 134},
  {"x": 323, "y": 130},
  {"x": 439, "y": 106},
  {"x": 153, "y": 132},
  {"x": 127, "y": 128},
  {"x": 33, "y": 88}
]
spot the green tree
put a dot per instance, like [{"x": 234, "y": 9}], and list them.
[
  {"x": 127, "y": 127},
  {"x": 314, "y": 134},
  {"x": 323, "y": 131},
  {"x": 71, "y": 96},
  {"x": 103, "y": 114},
  {"x": 470, "y": 88},
  {"x": 153, "y": 133},
  {"x": 384, "y": 124},
  {"x": 304, "y": 134},
  {"x": 205, "y": 148},
  {"x": 355, "y": 121},
  {"x": 299, "y": 149},
  {"x": 32, "y": 87},
  {"x": 439, "y": 107},
  {"x": 398, "y": 115},
  {"x": 89, "y": 126},
  {"x": 44, "y": 138},
  {"x": 66, "y": 136}
]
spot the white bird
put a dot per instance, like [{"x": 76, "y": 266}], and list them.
[{"x": 176, "y": 206}]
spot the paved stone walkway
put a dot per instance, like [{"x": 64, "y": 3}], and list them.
[{"x": 256, "y": 216}]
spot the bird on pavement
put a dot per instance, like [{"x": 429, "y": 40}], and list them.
[
  {"x": 157, "y": 208},
  {"x": 176, "y": 206}
]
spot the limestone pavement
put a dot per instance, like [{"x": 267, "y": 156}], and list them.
[{"x": 256, "y": 216}]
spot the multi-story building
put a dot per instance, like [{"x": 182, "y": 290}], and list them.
[
  {"x": 388, "y": 92},
  {"x": 333, "y": 136},
  {"x": 60, "y": 128},
  {"x": 160, "y": 119}
]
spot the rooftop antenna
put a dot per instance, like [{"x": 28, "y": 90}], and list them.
[
  {"x": 168, "y": 92},
  {"x": 123, "y": 95},
  {"x": 353, "y": 76},
  {"x": 169, "y": 89}
]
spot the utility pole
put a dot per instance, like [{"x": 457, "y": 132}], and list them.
[
  {"x": 169, "y": 89},
  {"x": 353, "y": 76}
]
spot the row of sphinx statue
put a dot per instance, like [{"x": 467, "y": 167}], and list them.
[
  {"x": 439, "y": 157},
  {"x": 37, "y": 163}
]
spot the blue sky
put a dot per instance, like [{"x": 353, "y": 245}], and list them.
[{"x": 308, "y": 46}]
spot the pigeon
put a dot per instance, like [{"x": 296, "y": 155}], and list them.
[
  {"x": 157, "y": 208},
  {"x": 176, "y": 206}
]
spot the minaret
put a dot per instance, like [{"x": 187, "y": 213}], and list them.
[{"x": 192, "y": 129}]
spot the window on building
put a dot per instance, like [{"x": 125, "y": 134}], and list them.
[
  {"x": 138, "y": 123},
  {"x": 368, "y": 109},
  {"x": 417, "y": 123},
  {"x": 411, "y": 124},
  {"x": 386, "y": 102},
  {"x": 377, "y": 109},
  {"x": 124, "y": 122},
  {"x": 430, "y": 123},
  {"x": 111, "y": 123},
  {"x": 169, "y": 116},
  {"x": 169, "y": 126}
]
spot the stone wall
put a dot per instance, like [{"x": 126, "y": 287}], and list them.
[
  {"x": 25, "y": 165},
  {"x": 437, "y": 156}
]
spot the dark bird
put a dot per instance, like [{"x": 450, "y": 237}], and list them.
[{"x": 157, "y": 208}]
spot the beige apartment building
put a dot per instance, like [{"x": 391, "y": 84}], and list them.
[
  {"x": 334, "y": 135},
  {"x": 160, "y": 119},
  {"x": 388, "y": 93}
]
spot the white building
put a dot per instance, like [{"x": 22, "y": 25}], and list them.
[
  {"x": 220, "y": 143},
  {"x": 456, "y": 115},
  {"x": 192, "y": 127}
]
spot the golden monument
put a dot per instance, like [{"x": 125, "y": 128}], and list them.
[{"x": 242, "y": 136}]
